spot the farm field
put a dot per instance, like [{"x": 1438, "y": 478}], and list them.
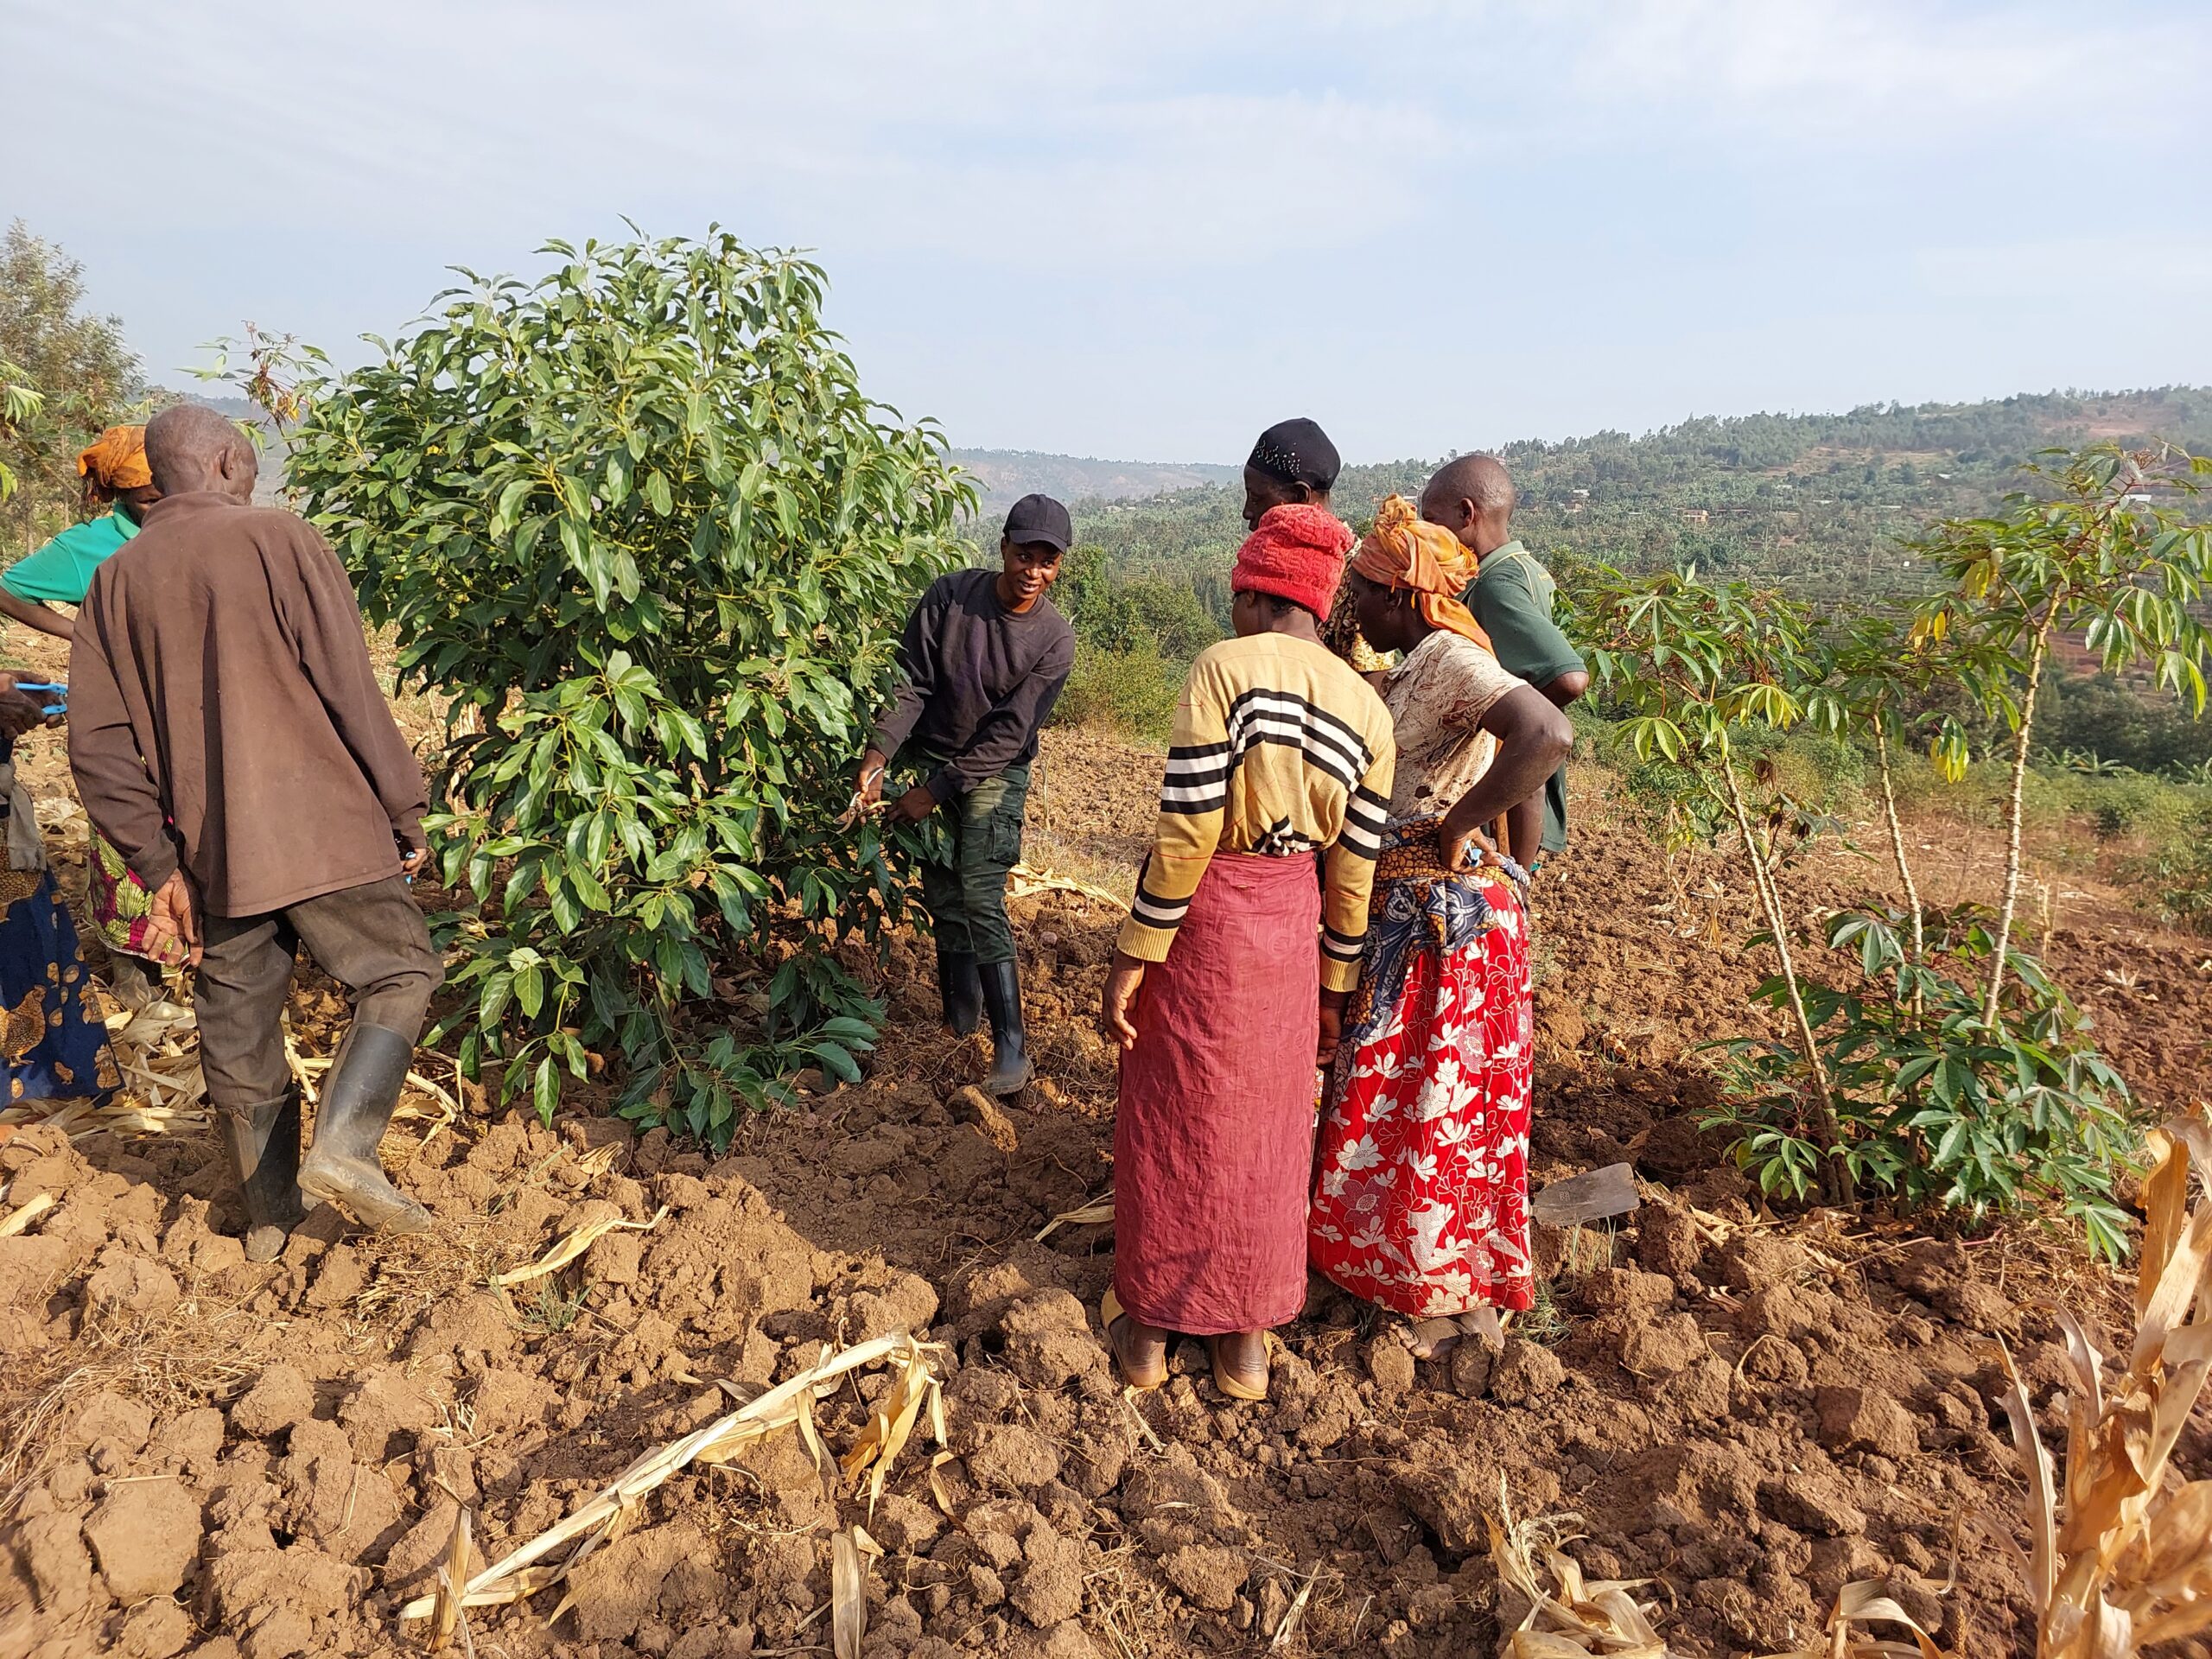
[{"x": 1747, "y": 1410}]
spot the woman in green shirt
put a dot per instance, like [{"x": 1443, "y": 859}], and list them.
[{"x": 116, "y": 477}]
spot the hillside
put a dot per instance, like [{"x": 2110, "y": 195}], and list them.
[
  {"x": 1814, "y": 501},
  {"x": 1006, "y": 475}
]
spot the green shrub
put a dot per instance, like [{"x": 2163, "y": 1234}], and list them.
[
  {"x": 637, "y": 521},
  {"x": 2180, "y": 874},
  {"x": 1133, "y": 693}
]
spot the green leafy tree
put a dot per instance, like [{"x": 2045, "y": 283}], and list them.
[
  {"x": 20, "y": 403},
  {"x": 1695, "y": 665},
  {"x": 2099, "y": 545},
  {"x": 637, "y": 522},
  {"x": 86, "y": 377}
]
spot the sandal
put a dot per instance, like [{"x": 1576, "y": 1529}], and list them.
[
  {"x": 1142, "y": 1377},
  {"x": 1238, "y": 1385}
]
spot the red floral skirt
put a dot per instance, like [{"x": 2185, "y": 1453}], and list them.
[{"x": 1420, "y": 1195}]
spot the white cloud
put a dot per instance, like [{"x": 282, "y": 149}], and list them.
[{"x": 1876, "y": 72}]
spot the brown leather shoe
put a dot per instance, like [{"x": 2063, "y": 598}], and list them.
[
  {"x": 1240, "y": 1363},
  {"x": 1140, "y": 1351}
]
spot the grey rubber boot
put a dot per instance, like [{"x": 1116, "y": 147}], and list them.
[
  {"x": 961, "y": 985},
  {"x": 1010, "y": 1067},
  {"x": 264, "y": 1142},
  {"x": 341, "y": 1167}
]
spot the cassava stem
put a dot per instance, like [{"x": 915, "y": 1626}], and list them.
[
  {"x": 1896, "y": 851},
  {"x": 2014, "y": 811},
  {"x": 1835, "y": 1176}
]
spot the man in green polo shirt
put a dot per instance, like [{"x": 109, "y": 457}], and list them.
[{"x": 1511, "y": 597}]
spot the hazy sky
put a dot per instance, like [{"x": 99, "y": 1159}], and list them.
[{"x": 1144, "y": 231}]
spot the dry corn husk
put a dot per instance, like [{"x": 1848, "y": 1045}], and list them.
[
  {"x": 2119, "y": 1558},
  {"x": 31, "y": 1209},
  {"x": 848, "y": 1596},
  {"x": 1099, "y": 1209},
  {"x": 1866, "y": 1601},
  {"x": 574, "y": 1244},
  {"x": 1023, "y": 879},
  {"x": 1579, "y": 1616},
  {"x": 892, "y": 1422},
  {"x": 523, "y": 1570},
  {"x": 453, "y": 1572}
]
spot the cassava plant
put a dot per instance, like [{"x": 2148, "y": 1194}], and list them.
[
  {"x": 1934, "y": 1105},
  {"x": 637, "y": 523},
  {"x": 1695, "y": 666},
  {"x": 1886, "y": 685},
  {"x": 2098, "y": 544}
]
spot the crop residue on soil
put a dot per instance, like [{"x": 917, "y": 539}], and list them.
[{"x": 202, "y": 1455}]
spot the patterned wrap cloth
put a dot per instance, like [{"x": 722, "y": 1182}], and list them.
[
  {"x": 119, "y": 906},
  {"x": 116, "y": 462},
  {"x": 54, "y": 1048},
  {"x": 1420, "y": 1189}
]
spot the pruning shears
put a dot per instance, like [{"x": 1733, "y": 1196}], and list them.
[
  {"x": 60, "y": 704},
  {"x": 856, "y": 809}
]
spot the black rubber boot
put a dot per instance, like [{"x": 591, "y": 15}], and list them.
[
  {"x": 962, "y": 986},
  {"x": 1009, "y": 1072},
  {"x": 134, "y": 982},
  {"x": 341, "y": 1167},
  {"x": 264, "y": 1142}
]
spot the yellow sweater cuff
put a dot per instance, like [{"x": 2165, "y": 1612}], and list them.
[{"x": 1145, "y": 943}]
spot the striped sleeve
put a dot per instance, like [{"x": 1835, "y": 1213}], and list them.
[
  {"x": 1350, "y": 871},
  {"x": 1193, "y": 802}
]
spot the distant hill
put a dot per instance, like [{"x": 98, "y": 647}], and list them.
[
  {"x": 1815, "y": 503},
  {"x": 1007, "y": 475}
]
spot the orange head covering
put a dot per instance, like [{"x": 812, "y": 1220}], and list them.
[
  {"x": 116, "y": 462},
  {"x": 1402, "y": 551}
]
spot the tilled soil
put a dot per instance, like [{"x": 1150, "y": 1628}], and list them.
[{"x": 202, "y": 1455}]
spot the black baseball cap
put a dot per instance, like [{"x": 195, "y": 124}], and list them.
[{"x": 1040, "y": 518}]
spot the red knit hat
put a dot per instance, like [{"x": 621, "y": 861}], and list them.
[{"x": 1297, "y": 553}]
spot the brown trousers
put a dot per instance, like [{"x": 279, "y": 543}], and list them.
[{"x": 369, "y": 939}]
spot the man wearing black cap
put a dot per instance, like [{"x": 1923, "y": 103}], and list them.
[
  {"x": 1293, "y": 462},
  {"x": 984, "y": 656}
]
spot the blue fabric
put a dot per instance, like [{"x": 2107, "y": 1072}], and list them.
[
  {"x": 52, "y": 1046},
  {"x": 1417, "y": 905}
]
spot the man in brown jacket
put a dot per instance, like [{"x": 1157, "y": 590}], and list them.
[{"x": 229, "y": 737}]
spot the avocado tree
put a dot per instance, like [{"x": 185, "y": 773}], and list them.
[
  {"x": 2098, "y": 544},
  {"x": 637, "y": 523}
]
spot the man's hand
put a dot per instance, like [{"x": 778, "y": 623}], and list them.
[
  {"x": 1332, "y": 1027},
  {"x": 410, "y": 860},
  {"x": 913, "y": 806},
  {"x": 20, "y": 712},
  {"x": 173, "y": 916},
  {"x": 868, "y": 787},
  {"x": 1117, "y": 1008}
]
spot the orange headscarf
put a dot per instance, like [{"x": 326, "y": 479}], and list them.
[
  {"x": 118, "y": 461},
  {"x": 1402, "y": 551}
]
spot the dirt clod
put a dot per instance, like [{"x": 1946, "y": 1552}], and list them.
[{"x": 145, "y": 1535}]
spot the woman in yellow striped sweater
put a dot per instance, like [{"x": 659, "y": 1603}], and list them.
[{"x": 1234, "y": 966}]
